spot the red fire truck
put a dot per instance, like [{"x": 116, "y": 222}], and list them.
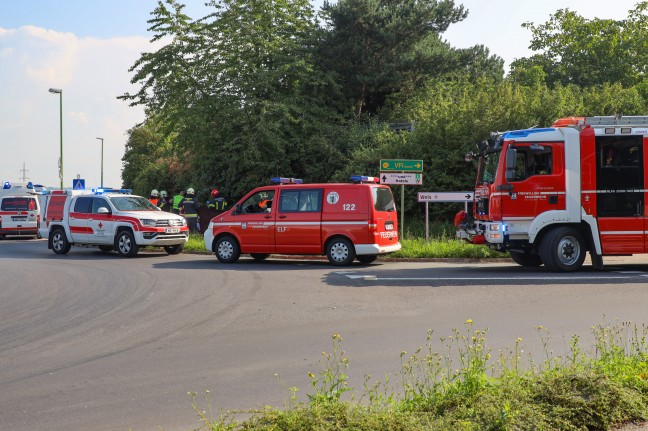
[{"x": 547, "y": 196}]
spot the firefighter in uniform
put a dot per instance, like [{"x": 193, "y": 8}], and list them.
[
  {"x": 154, "y": 197},
  {"x": 164, "y": 203},
  {"x": 217, "y": 202},
  {"x": 189, "y": 209}
]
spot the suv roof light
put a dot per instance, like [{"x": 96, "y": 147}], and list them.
[
  {"x": 364, "y": 179},
  {"x": 284, "y": 180},
  {"x": 100, "y": 191}
]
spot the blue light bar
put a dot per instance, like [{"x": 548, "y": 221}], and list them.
[
  {"x": 30, "y": 185},
  {"x": 283, "y": 180},
  {"x": 7, "y": 185},
  {"x": 364, "y": 179},
  {"x": 105, "y": 190}
]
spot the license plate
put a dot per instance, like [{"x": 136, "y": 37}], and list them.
[
  {"x": 172, "y": 230},
  {"x": 19, "y": 218},
  {"x": 389, "y": 226}
]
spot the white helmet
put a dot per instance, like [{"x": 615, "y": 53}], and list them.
[
  {"x": 154, "y": 192},
  {"x": 190, "y": 191},
  {"x": 163, "y": 193}
]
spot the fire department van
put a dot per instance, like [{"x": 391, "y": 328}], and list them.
[
  {"x": 19, "y": 210},
  {"x": 111, "y": 220},
  {"x": 343, "y": 221},
  {"x": 549, "y": 195}
]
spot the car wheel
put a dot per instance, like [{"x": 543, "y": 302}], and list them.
[
  {"x": 125, "y": 244},
  {"x": 260, "y": 256},
  {"x": 340, "y": 251},
  {"x": 106, "y": 248},
  {"x": 227, "y": 249},
  {"x": 60, "y": 243},
  {"x": 563, "y": 250},
  {"x": 367, "y": 258},
  {"x": 174, "y": 249},
  {"x": 526, "y": 259}
]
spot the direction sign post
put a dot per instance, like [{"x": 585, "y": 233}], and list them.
[
  {"x": 428, "y": 197},
  {"x": 401, "y": 165},
  {"x": 404, "y": 179}
]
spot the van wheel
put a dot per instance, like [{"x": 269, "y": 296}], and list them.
[
  {"x": 106, "y": 248},
  {"x": 174, "y": 249},
  {"x": 526, "y": 259},
  {"x": 60, "y": 243},
  {"x": 125, "y": 244},
  {"x": 260, "y": 256},
  {"x": 227, "y": 249},
  {"x": 563, "y": 250},
  {"x": 340, "y": 252},
  {"x": 367, "y": 258}
]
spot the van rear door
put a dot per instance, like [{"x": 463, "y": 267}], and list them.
[
  {"x": 299, "y": 221},
  {"x": 18, "y": 214},
  {"x": 384, "y": 216}
]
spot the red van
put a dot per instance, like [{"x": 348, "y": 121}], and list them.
[{"x": 342, "y": 221}]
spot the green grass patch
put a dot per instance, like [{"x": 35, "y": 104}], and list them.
[
  {"x": 456, "y": 382},
  {"x": 196, "y": 244}
]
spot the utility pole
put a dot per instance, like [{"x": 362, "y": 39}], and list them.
[{"x": 24, "y": 171}]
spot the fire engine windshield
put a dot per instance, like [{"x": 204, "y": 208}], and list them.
[
  {"x": 132, "y": 203},
  {"x": 18, "y": 204},
  {"x": 488, "y": 170}
]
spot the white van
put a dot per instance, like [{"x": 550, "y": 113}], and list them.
[{"x": 19, "y": 210}]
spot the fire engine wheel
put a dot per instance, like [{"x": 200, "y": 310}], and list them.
[
  {"x": 227, "y": 249},
  {"x": 340, "y": 251},
  {"x": 260, "y": 256},
  {"x": 174, "y": 249},
  {"x": 526, "y": 259},
  {"x": 367, "y": 258},
  {"x": 106, "y": 248},
  {"x": 563, "y": 250},
  {"x": 60, "y": 243},
  {"x": 125, "y": 244}
]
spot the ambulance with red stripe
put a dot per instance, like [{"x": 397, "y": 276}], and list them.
[
  {"x": 550, "y": 195},
  {"x": 342, "y": 221},
  {"x": 111, "y": 220},
  {"x": 19, "y": 210}
]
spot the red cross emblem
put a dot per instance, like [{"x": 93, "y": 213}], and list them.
[{"x": 100, "y": 225}]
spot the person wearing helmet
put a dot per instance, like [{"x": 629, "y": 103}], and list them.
[
  {"x": 189, "y": 209},
  {"x": 164, "y": 203},
  {"x": 154, "y": 197},
  {"x": 217, "y": 202}
]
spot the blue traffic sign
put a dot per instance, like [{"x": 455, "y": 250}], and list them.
[{"x": 78, "y": 184}]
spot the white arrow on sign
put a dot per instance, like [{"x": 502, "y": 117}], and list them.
[
  {"x": 445, "y": 196},
  {"x": 405, "y": 179}
]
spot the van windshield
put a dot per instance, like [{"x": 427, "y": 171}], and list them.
[
  {"x": 18, "y": 204},
  {"x": 383, "y": 199},
  {"x": 132, "y": 203}
]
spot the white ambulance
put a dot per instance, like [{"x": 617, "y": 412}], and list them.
[
  {"x": 19, "y": 210},
  {"x": 111, "y": 220}
]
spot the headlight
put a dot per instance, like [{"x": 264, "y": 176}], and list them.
[
  {"x": 147, "y": 222},
  {"x": 183, "y": 221},
  {"x": 494, "y": 227}
]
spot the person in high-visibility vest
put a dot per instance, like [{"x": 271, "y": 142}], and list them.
[
  {"x": 176, "y": 202},
  {"x": 154, "y": 197},
  {"x": 189, "y": 209}
]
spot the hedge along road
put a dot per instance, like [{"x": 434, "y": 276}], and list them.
[{"x": 92, "y": 341}]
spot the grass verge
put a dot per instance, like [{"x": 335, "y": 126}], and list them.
[{"x": 457, "y": 382}]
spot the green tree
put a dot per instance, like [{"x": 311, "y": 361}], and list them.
[{"x": 575, "y": 50}]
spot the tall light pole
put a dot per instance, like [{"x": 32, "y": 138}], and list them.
[
  {"x": 60, "y": 93},
  {"x": 101, "y": 162}
]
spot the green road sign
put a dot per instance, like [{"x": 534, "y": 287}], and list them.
[{"x": 398, "y": 165}]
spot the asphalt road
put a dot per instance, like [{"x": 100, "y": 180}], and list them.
[{"x": 92, "y": 341}]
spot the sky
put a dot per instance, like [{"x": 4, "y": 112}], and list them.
[{"x": 85, "y": 48}]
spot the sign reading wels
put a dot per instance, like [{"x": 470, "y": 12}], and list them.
[
  {"x": 399, "y": 165},
  {"x": 445, "y": 196},
  {"x": 407, "y": 179}
]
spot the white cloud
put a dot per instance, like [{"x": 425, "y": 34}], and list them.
[{"x": 92, "y": 73}]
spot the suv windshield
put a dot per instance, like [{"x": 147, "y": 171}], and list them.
[{"x": 132, "y": 203}]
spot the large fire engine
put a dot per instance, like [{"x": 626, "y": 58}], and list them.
[
  {"x": 19, "y": 209},
  {"x": 111, "y": 220},
  {"x": 549, "y": 195}
]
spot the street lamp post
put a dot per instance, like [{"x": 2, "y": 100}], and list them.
[
  {"x": 101, "y": 161},
  {"x": 60, "y": 93}
]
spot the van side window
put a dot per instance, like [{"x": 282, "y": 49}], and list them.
[
  {"x": 300, "y": 201},
  {"x": 83, "y": 205}
]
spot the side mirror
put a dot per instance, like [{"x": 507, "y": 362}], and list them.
[
  {"x": 511, "y": 159},
  {"x": 103, "y": 210}
]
